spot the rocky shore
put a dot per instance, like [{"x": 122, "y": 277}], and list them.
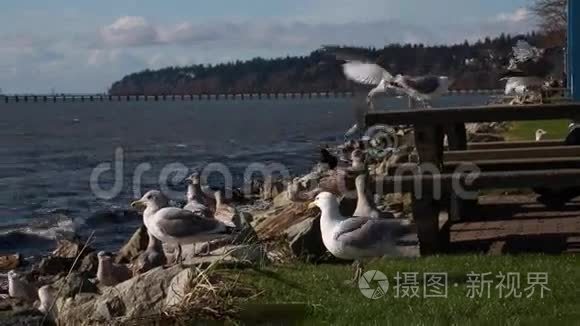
[{"x": 276, "y": 227}]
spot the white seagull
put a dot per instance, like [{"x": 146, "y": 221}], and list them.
[
  {"x": 422, "y": 89},
  {"x": 354, "y": 238},
  {"x": 19, "y": 288},
  {"x": 175, "y": 225}
]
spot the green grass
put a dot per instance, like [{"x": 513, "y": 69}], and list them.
[
  {"x": 317, "y": 293},
  {"x": 526, "y": 130}
]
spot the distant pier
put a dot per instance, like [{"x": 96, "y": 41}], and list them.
[{"x": 54, "y": 98}]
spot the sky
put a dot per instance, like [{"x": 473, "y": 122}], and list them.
[{"x": 82, "y": 46}]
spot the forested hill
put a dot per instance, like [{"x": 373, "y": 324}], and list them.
[{"x": 473, "y": 66}]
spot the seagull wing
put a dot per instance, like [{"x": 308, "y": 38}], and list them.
[
  {"x": 366, "y": 233},
  {"x": 423, "y": 85},
  {"x": 365, "y": 73},
  {"x": 180, "y": 223}
]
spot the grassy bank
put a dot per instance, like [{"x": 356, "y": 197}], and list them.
[
  {"x": 526, "y": 130},
  {"x": 317, "y": 293}
]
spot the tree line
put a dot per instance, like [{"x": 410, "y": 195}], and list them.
[{"x": 474, "y": 65}]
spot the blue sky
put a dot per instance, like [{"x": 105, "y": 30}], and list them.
[{"x": 83, "y": 46}]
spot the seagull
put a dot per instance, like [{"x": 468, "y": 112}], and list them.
[
  {"x": 354, "y": 238},
  {"x": 197, "y": 195},
  {"x": 225, "y": 213},
  {"x": 540, "y": 133},
  {"x": 529, "y": 67},
  {"x": 175, "y": 225},
  {"x": 370, "y": 74},
  {"x": 19, "y": 288},
  {"x": 365, "y": 206},
  {"x": 152, "y": 257},
  {"x": 196, "y": 201},
  {"x": 357, "y": 158},
  {"x": 422, "y": 89},
  {"x": 47, "y": 295},
  {"x": 573, "y": 137},
  {"x": 109, "y": 273}
]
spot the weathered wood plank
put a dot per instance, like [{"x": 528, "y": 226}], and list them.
[
  {"x": 515, "y": 144},
  {"x": 510, "y": 153},
  {"x": 488, "y": 113},
  {"x": 444, "y": 183}
]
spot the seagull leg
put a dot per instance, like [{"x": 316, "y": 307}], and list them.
[
  {"x": 179, "y": 258},
  {"x": 357, "y": 267}
]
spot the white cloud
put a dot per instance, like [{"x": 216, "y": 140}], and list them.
[
  {"x": 129, "y": 31},
  {"x": 518, "y": 16}
]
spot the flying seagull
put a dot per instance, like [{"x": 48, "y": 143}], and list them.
[
  {"x": 364, "y": 71},
  {"x": 529, "y": 66}
]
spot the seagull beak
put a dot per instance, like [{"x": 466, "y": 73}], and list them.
[
  {"x": 312, "y": 205},
  {"x": 138, "y": 204}
]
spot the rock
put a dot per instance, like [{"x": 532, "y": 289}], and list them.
[
  {"x": 180, "y": 286},
  {"x": 54, "y": 265},
  {"x": 142, "y": 295},
  {"x": 74, "y": 284},
  {"x": 9, "y": 262},
  {"x": 70, "y": 249},
  {"x": 113, "y": 308},
  {"x": 271, "y": 189},
  {"x": 136, "y": 245},
  {"x": 89, "y": 265},
  {"x": 305, "y": 239},
  {"x": 273, "y": 223}
]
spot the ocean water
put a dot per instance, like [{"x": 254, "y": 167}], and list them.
[{"x": 48, "y": 152}]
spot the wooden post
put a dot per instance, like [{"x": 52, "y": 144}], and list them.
[
  {"x": 573, "y": 58},
  {"x": 426, "y": 205}
]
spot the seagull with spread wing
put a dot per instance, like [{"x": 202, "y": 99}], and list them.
[{"x": 422, "y": 89}]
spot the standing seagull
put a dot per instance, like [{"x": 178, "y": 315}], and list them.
[
  {"x": 47, "y": 295},
  {"x": 196, "y": 201},
  {"x": 365, "y": 206},
  {"x": 19, "y": 288},
  {"x": 109, "y": 273},
  {"x": 354, "y": 238},
  {"x": 175, "y": 225},
  {"x": 152, "y": 257}
]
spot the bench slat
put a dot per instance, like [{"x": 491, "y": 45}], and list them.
[
  {"x": 485, "y": 180},
  {"x": 515, "y": 144},
  {"x": 488, "y": 113},
  {"x": 509, "y": 153}
]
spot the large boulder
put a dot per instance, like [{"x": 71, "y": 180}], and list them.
[
  {"x": 89, "y": 265},
  {"x": 52, "y": 265},
  {"x": 305, "y": 239},
  {"x": 135, "y": 246},
  {"x": 70, "y": 248},
  {"x": 74, "y": 284},
  {"x": 143, "y": 295}
]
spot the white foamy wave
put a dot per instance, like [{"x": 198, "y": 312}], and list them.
[{"x": 50, "y": 229}]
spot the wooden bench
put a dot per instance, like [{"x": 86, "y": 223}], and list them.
[{"x": 501, "y": 164}]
